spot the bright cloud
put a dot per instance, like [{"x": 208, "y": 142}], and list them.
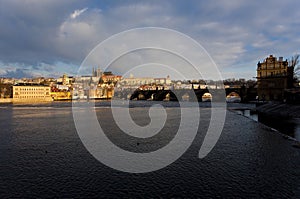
[{"x": 77, "y": 13}]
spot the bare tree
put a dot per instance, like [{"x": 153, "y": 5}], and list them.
[{"x": 294, "y": 63}]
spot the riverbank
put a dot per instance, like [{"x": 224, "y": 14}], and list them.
[
  {"x": 5, "y": 100},
  {"x": 280, "y": 110},
  {"x": 25, "y": 101}
]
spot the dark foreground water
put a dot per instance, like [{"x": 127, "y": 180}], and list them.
[
  {"x": 287, "y": 126},
  {"x": 41, "y": 156}
]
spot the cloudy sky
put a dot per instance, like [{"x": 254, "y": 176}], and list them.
[{"x": 51, "y": 37}]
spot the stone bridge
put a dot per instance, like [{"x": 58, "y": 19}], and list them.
[{"x": 246, "y": 94}]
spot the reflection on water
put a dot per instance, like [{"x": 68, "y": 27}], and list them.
[
  {"x": 287, "y": 126},
  {"x": 247, "y": 113}
]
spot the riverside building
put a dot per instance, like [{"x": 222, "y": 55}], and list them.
[
  {"x": 31, "y": 93},
  {"x": 273, "y": 77}
]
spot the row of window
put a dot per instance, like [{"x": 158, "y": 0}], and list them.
[
  {"x": 272, "y": 74},
  {"x": 33, "y": 89},
  {"x": 273, "y": 67},
  {"x": 29, "y": 97},
  {"x": 31, "y": 93}
]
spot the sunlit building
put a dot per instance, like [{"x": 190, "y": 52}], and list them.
[
  {"x": 31, "y": 93},
  {"x": 109, "y": 78}
]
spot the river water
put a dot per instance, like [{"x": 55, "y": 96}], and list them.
[
  {"x": 286, "y": 126},
  {"x": 41, "y": 156}
]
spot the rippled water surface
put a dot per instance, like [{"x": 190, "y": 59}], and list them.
[
  {"x": 41, "y": 155},
  {"x": 287, "y": 126}
]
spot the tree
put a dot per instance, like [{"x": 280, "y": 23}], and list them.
[{"x": 294, "y": 63}]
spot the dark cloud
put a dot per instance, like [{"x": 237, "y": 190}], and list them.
[{"x": 18, "y": 73}]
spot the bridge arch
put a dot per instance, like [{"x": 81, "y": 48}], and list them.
[
  {"x": 185, "y": 97},
  {"x": 206, "y": 97},
  {"x": 233, "y": 97}
]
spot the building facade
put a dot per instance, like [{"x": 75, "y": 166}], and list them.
[
  {"x": 273, "y": 77},
  {"x": 109, "y": 78},
  {"x": 31, "y": 93},
  {"x": 137, "y": 82}
]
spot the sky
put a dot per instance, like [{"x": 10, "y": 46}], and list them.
[{"x": 51, "y": 37}]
